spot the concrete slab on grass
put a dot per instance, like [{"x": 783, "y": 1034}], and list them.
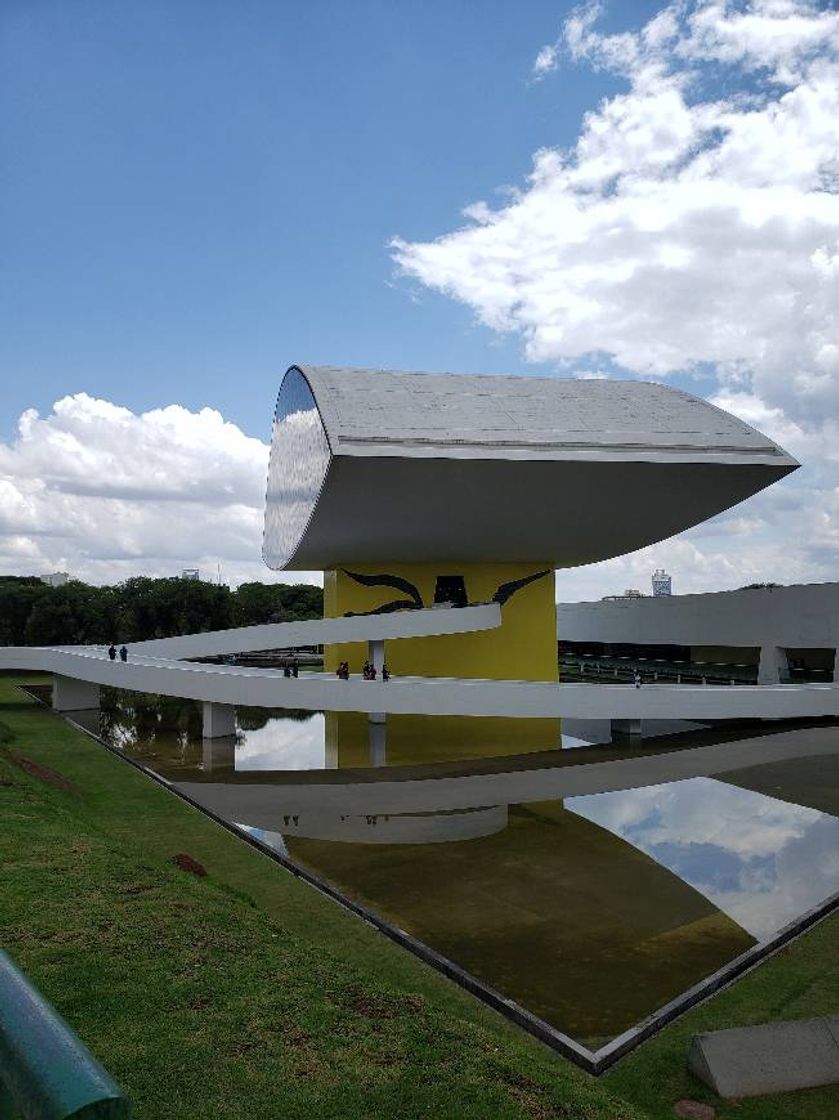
[{"x": 770, "y": 1058}]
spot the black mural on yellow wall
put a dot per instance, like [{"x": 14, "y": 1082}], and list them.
[{"x": 414, "y": 603}]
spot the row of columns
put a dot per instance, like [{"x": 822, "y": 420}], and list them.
[{"x": 72, "y": 695}]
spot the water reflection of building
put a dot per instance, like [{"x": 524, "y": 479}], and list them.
[
  {"x": 492, "y": 860},
  {"x": 352, "y": 741},
  {"x": 565, "y": 918}
]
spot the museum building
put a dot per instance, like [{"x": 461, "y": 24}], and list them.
[{"x": 413, "y": 489}]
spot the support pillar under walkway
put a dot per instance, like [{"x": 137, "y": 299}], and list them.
[
  {"x": 376, "y": 656},
  {"x": 71, "y": 695},
  {"x": 377, "y": 737},
  {"x": 626, "y": 731},
  {"x": 219, "y": 753},
  {"x": 773, "y": 666},
  {"x": 219, "y": 720}
]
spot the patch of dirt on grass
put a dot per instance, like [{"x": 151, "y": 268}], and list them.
[
  {"x": 377, "y": 1005},
  {"x": 187, "y": 863},
  {"x": 64, "y": 937},
  {"x": 294, "y": 1037},
  {"x": 531, "y": 1097},
  {"x": 42, "y": 773},
  {"x": 133, "y": 888},
  {"x": 693, "y": 1110}
]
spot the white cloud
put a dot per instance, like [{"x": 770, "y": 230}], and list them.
[
  {"x": 104, "y": 493},
  {"x": 545, "y": 60},
  {"x": 693, "y": 227},
  {"x": 679, "y": 230},
  {"x": 762, "y": 861}
]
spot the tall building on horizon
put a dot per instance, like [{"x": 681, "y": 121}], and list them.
[{"x": 662, "y": 583}]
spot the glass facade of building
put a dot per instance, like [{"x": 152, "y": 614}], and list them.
[{"x": 299, "y": 461}]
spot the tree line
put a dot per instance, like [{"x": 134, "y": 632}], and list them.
[{"x": 35, "y": 614}]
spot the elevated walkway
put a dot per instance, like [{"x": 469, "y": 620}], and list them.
[{"x": 156, "y": 667}]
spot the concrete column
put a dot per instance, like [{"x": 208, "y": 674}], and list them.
[
  {"x": 219, "y": 753},
  {"x": 836, "y": 666},
  {"x": 219, "y": 720},
  {"x": 331, "y": 732},
  {"x": 376, "y": 655},
  {"x": 71, "y": 695},
  {"x": 773, "y": 665},
  {"x": 626, "y": 730},
  {"x": 377, "y": 733}
]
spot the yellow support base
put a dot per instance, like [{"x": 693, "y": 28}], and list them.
[{"x": 522, "y": 648}]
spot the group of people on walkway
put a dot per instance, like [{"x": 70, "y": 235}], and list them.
[
  {"x": 368, "y": 673},
  {"x": 112, "y": 652}
]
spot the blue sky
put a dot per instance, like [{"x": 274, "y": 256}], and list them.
[{"x": 196, "y": 194}]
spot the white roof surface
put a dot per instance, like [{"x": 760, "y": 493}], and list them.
[
  {"x": 434, "y": 468},
  {"x": 385, "y": 412}
]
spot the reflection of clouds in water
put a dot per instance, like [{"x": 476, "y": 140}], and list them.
[
  {"x": 761, "y": 861},
  {"x": 273, "y": 840},
  {"x": 569, "y": 742},
  {"x": 284, "y": 744}
]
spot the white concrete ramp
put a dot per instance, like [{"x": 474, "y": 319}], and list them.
[
  {"x": 430, "y": 622},
  {"x": 770, "y": 1058},
  {"x": 159, "y": 667}
]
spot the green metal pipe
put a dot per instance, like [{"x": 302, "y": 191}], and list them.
[
  {"x": 46, "y": 1070},
  {"x": 7, "y": 1105}
]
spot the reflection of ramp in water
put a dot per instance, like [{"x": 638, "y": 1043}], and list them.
[
  {"x": 398, "y": 828},
  {"x": 810, "y": 781},
  {"x": 263, "y": 804}
]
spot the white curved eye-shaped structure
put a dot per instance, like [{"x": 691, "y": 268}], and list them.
[
  {"x": 299, "y": 462},
  {"x": 371, "y": 466}
]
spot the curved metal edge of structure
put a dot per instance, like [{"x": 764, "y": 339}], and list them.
[{"x": 288, "y": 561}]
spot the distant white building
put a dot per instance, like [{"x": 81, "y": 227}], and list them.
[
  {"x": 191, "y": 573},
  {"x": 55, "y": 579},
  {"x": 630, "y": 593},
  {"x": 783, "y": 632},
  {"x": 662, "y": 583}
]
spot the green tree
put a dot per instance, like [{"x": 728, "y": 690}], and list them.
[
  {"x": 73, "y": 614},
  {"x": 258, "y": 603},
  {"x": 18, "y": 596},
  {"x": 161, "y": 608},
  {"x": 32, "y": 613}
]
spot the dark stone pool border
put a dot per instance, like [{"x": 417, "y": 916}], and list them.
[{"x": 594, "y": 1062}]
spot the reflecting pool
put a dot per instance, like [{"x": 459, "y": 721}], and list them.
[{"x": 590, "y": 883}]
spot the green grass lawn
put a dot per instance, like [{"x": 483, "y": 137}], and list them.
[
  {"x": 245, "y": 993},
  {"x": 800, "y": 982}
]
